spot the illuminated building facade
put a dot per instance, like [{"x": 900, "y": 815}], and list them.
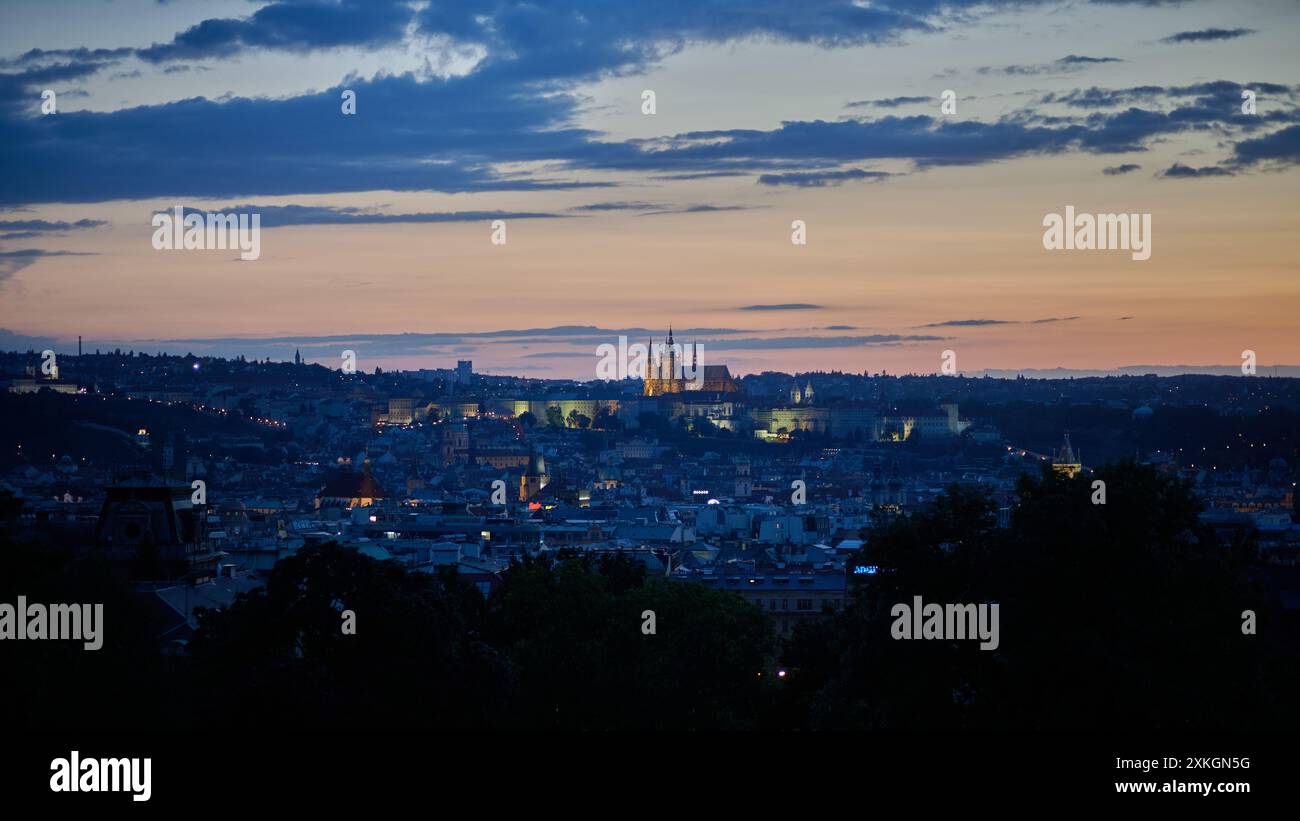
[
  {"x": 667, "y": 371},
  {"x": 1066, "y": 461}
]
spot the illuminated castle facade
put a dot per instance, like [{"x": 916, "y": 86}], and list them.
[{"x": 668, "y": 371}]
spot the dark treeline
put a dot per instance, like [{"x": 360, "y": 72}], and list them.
[
  {"x": 1197, "y": 435},
  {"x": 39, "y": 427},
  {"x": 1123, "y": 616}
]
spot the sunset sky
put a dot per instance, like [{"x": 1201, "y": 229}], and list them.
[{"x": 924, "y": 229}]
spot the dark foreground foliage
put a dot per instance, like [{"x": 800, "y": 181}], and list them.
[{"x": 1123, "y": 616}]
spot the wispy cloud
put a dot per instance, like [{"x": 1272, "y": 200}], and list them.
[
  {"x": 976, "y": 323},
  {"x": 968, "y": 323},
  {"x": 278, "y": 216},
  {"x": 620, "y": 206},
  {"x": 819, "y": 179},
  {"x": 11, "y": 262},
  {"x": 696, "y": 209},
  {"x": 49, "y": 226},
  {"x": 887, "y": 102},
  {"x": 1066, "y": 65}
]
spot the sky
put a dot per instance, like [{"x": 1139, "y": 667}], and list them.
[{"x": 923, "y": 222}]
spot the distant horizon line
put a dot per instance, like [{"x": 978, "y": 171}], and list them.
[{"x": 1288, "y": 371}]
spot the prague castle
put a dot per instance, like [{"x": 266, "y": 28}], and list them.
[{"x": 667, "y": 372}]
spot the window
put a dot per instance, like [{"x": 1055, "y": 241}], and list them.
[
  {"x": 771, "y": 604},
  {"x": 804, "y": 604},
  {"x": 785, "y": 604}
]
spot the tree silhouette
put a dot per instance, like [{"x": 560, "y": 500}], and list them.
[
  {"x": 279, "y": 654},
  {"x": 1112, "y": 617}
]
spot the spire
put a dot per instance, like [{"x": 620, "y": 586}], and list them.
[
  {"x": 536, "y": 462},
  {"x": 1067, "y": 452},
  {"x": 670, "y": 333}
]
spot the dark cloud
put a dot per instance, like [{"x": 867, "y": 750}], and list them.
[
  {"x": 28, "y": 229},
  {"x": 1205, "y": 35},
  {"x": 976, "y": 323},
  {"x": 560, "y": 355},
  {"x": 304, "y": 145},
  {"x": 278, "y": 216},
  {"x": 38, "y": 56},
  {"x": 559, "y": 39},
  {"x": 289, "y": 26},
  {"x": 819, "y": 179},
  {"x": 1115, "y": 170},
  {"x": 620, "y": 206},
  {"x": 923, "y": 139},
  {"x": 787, "y": 306},
  {"x": 48, "y": 225},
  {"x": 784, "y": 342},
  {"x": 1105, "y": 97},
  {"x": 298, "y": 145},
  {"x": 1078, "y": 59},
  {"x": 696, "y": 209},
  {"x": 11, "y": 341},
  {"x": 1282, "y": 147},
  {"x": 651, "y": 209},
  {"x": 1184, "y": 171},
  {"x": 888, "y": 102},
  {"x": 969, "y": 323},
  {"x": 702, "y": 175},
  {"x": 572, "y": 38},
  {"x": 21, "y": 89},
  {"x": 1212, "y": 94},
  {"x": 414, "y": 132}
]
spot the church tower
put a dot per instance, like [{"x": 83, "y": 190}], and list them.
[
  {"x": 534, "y": 478},
  {"x": 1067, "y": 461}
]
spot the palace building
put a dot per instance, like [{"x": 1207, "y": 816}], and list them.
[{"x": 668, "y": 371}]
